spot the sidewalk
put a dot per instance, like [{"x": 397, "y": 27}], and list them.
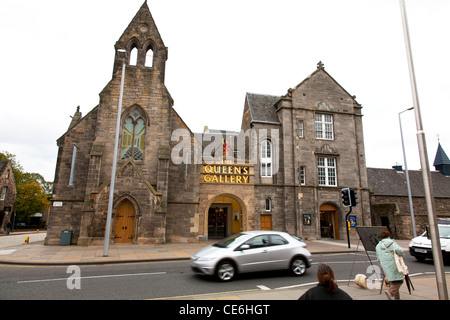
[{"x": 13, "y": 250}]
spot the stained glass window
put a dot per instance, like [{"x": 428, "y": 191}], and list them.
[{"x": 133, "y": 137}]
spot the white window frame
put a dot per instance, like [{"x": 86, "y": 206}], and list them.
[
  {"x": 324, "y": 126},
  {"x": 326, "y": 171},
  {"x": 301, "y": 132},
  {"x": 302, "y": 175},
  {"x": 266, "y": 158}
]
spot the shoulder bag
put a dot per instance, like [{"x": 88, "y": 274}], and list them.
[{"x": 401, "y": 266}]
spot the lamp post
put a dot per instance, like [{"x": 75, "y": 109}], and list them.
[
  {"x": 122, "y": 54},
  {"x": 413, "y": 222},
  {"x": 429, "y": 197}
]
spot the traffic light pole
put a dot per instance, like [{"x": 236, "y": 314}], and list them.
[{"x": 347, "y": 222}]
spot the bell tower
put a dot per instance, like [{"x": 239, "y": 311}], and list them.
[{"x": 143, "y": 45}]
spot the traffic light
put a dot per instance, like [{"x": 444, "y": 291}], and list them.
[
  {"x": 353, "y": 198},
  {"x": 346, "y": 201}
]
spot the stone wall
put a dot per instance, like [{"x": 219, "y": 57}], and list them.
[{"x": 395, "y": 213}]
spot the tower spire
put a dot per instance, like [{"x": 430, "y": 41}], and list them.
[{"x": 441, "y": 161}]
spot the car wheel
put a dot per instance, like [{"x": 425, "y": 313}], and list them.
[
  {"x": 225, "y": 271},
  {"x": 298, "y": 266},
  {"x": 420, "y": 259}
]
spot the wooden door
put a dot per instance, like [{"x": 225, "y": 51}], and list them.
[
  {"x": 125, "y": 218},
  {"x": 266, "y": 222}
]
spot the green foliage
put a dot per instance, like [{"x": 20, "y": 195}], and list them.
[{"x": 33, "y": 192}]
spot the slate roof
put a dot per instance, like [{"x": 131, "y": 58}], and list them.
[
  {"x": 389, "y": 182},
  {"x": 441, "y": 157},
  {"x": 262, "y": 108}
]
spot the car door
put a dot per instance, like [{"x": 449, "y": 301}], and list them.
[
  {"x": 279, "y": 252},
  {"x": 253, "y": 254}
]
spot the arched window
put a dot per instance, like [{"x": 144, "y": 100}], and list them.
[
  {"x": 149, "y": 57},
  {"x": 133, "y": 137},
  {"x": 133, "y": 56},
  {"x": 268, "y": 204},
  {"x": 266, "y": 158}
]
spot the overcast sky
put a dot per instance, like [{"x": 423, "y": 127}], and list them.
[{"x": 57, "y": 55}]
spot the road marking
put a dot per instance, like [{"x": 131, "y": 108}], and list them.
[
  {"x": 5, "y": 252},
  {"x": 305, "y": 284},
  {"x": 94, "y": 277},
  {"x": 263, "y": 288},
  {"x": 340, "y": 262},
  {"x": 203, "y": 294}
]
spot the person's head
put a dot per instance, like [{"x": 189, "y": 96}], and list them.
[
  {"x": 385, "y": 234},
  {"x": 325, "y": 276}
]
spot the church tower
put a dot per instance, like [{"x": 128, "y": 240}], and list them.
[
  {"x": 143, "y": 45},
  {"x": 144, "y": 200}
]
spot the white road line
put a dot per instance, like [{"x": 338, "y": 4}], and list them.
[
  {"x": 341, "y": 262},
  {"x": 305, "y": 284},
  {"x": 263, "y": 288},
  {"x": 94, "y": 277},
  {"x": 5, "y": 252}
]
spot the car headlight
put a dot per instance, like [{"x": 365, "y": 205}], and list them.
[{"x": 205, "y": 258}]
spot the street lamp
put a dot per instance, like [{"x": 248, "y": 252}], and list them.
[
  {"x": 122, "y": 54},
  {"x": 427, "y": 184},
  {"x": 407, "y": 175}
]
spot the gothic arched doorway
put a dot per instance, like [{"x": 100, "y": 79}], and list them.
[{"x": 125, "y": 219}]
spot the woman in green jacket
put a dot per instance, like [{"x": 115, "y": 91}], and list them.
[{"x": 385, "y": 255}]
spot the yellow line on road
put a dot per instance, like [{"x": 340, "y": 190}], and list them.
[{"x": 204, "y": 294}]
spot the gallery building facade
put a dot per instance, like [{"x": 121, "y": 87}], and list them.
[{"x": 283, "y": 171}]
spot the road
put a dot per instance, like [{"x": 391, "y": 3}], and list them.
[{"x": 138, "y": 281}]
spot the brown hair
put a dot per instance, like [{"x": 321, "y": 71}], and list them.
[
  {"x": 325, "y": 276},
  {"x": 384, "y": 234}
]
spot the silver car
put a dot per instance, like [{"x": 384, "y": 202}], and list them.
[{"x": 252, "y": 251}]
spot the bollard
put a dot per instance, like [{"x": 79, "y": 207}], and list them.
[{"x": 27, "y": 240}]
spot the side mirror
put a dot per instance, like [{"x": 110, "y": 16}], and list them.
[{"x": 244, "y": 247}]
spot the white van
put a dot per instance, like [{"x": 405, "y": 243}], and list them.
[{"x": 420, "y": 247}]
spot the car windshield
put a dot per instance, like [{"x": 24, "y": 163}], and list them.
[
  {"x": 228, "y": 241},
  {"x": 444, "y": 230}
]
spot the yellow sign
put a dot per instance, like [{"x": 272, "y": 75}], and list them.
[{"x": 225, "y": 174}]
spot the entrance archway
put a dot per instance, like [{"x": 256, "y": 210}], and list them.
[
  {"x": 125, "y": 219},
  {"x": 329, "y": 221},
  {"x": 225, "y": 215}
]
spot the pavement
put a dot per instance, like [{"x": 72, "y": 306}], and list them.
[{"x": 27, "y": 248}]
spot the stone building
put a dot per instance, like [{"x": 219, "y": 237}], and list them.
[
  {"x": 390, "y": 201},
  {"x": 147, "y": 207},
  {"x": 7, "y": 194},
  {"x": 312, "y": 146},
  {"x": 283, "y": 171}
]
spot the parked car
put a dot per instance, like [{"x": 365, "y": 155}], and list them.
[
  {"x": 420, "y": 247},
  {"x": 252, "y": 251}
]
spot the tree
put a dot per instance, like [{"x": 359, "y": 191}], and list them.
[{"x": 33, "y": 192}]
